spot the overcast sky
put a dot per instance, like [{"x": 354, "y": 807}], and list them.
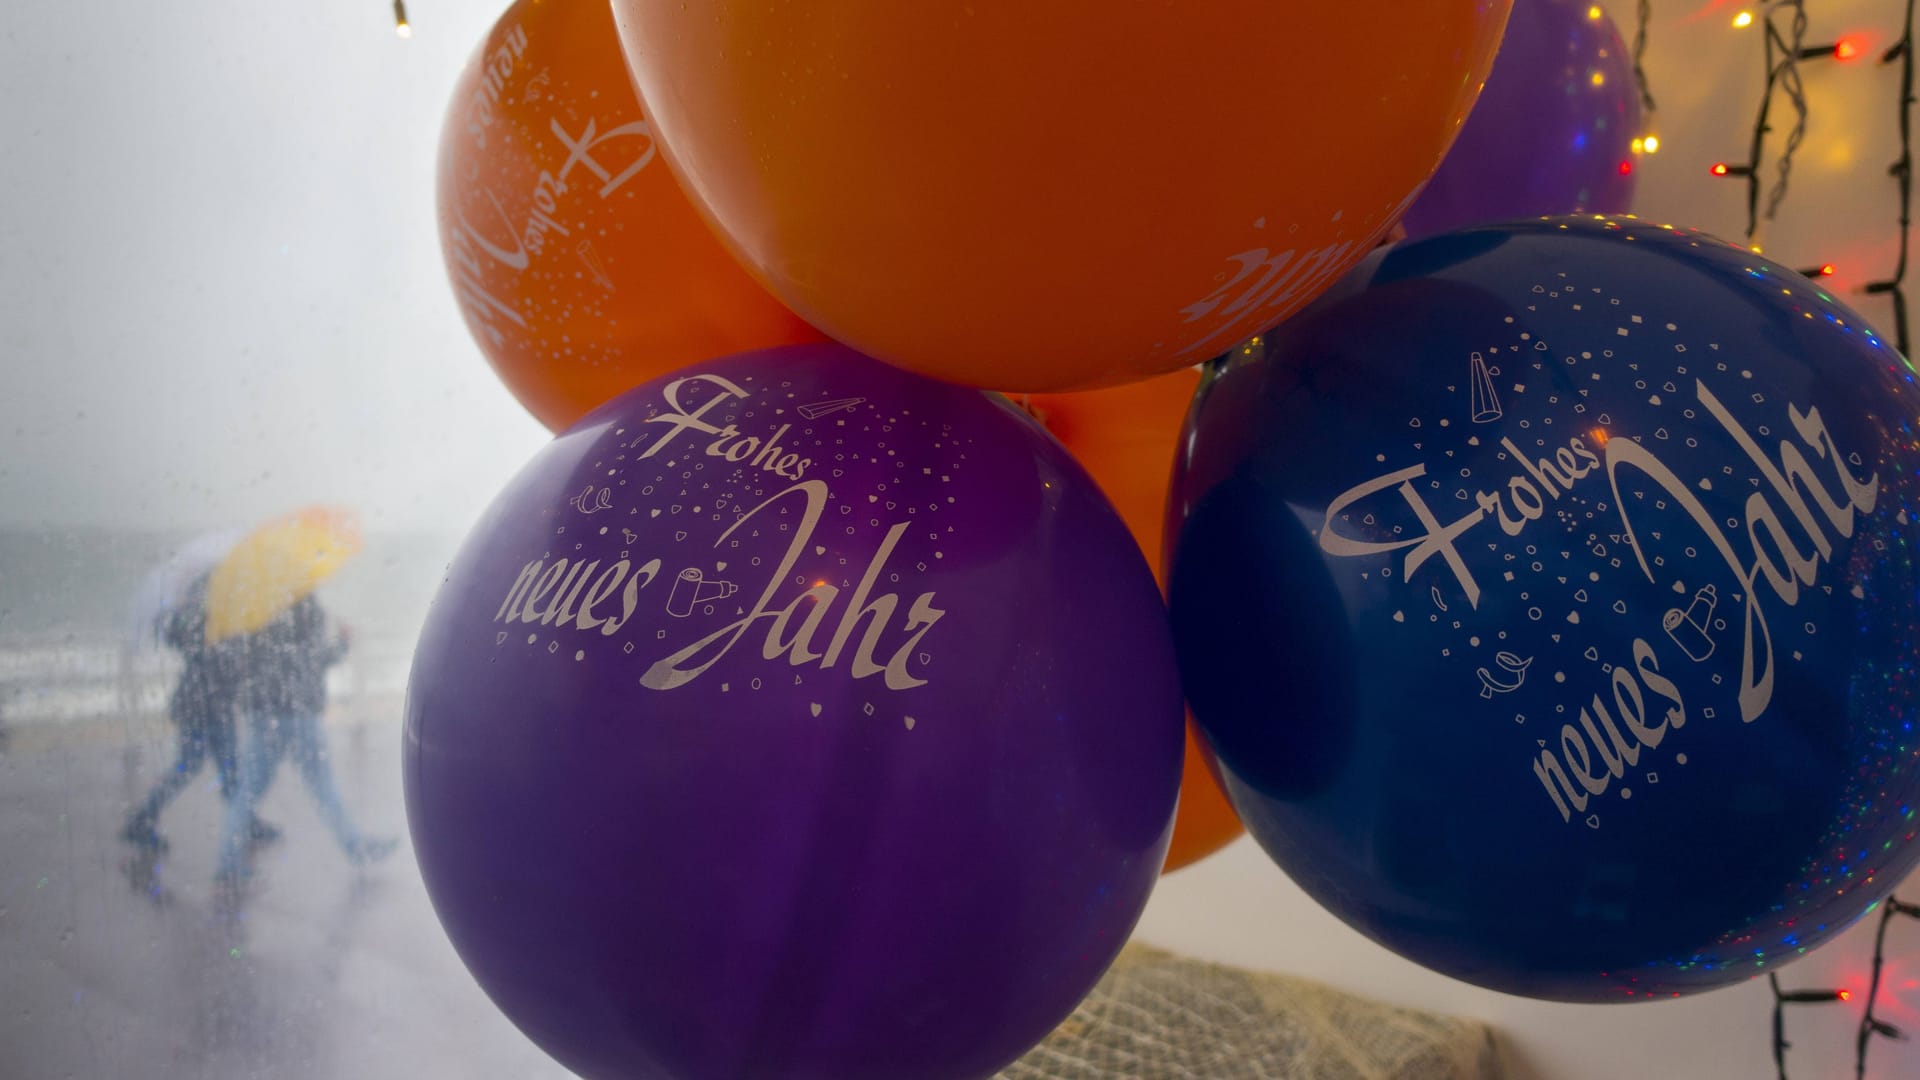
[
  {"x": 220, "y": 283},
  {"x": 221, "y": 292}
]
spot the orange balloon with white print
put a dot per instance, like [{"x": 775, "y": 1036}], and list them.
[
  {"x": 1127, "y": 438},
  {"x": 1050, "y": 196},
  {"x": 577, "y": 263}
]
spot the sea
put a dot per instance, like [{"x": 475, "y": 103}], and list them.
[{"x": 69, "y": 655}]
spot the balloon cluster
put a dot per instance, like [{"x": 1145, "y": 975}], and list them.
[{"x": 808, "y": 707}]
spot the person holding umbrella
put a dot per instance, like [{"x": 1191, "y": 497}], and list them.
[
  {"x": 201, "y": 707},
  {"x": 161, "y": 594},
  {"x": 261, "y": 598}
]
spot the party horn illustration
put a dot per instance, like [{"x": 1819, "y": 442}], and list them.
[{"x": 692, "y": 588}]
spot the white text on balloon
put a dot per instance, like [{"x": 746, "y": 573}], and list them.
[
  {"x": 766, "y": 453},
  {"x": 797, "y": 642}
]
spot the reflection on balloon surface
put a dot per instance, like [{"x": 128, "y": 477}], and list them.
[
  {"x": 794, "y": 715},
  {"x": 1547, "y": 594},
  {"x": 1041, "y": 197}
]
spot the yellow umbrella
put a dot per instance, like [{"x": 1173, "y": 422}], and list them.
[{"x": 277, "y": 564}]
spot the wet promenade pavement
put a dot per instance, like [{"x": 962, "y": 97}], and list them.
[{"x": 111, "y": 966}]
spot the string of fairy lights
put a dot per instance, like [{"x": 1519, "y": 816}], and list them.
[
  {"x": 1645, "y": 16},
  {"x": 1784, "y": 43},
  {"x": 1871, "y": 1025},
  {"x": 1902, "y": 171},
  {"x": 1783, "y": 35}
]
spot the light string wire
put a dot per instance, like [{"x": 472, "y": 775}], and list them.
[
  {"x": 1645, "y": 16},
  {"x": 1871, "y": 1025},
  {"x": 1902, "y": 172}
]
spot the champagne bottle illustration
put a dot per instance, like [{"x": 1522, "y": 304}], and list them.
[
  {"x": 1480, "y": 394},
  {"x": 1688, "y": 628}
]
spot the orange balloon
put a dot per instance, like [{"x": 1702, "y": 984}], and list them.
[
  {"x": 1205, "y": 822},
  {"x": 1126, "y": 438},
  {"x": 1048, "y": 196},
  {"x": 579, "y": 266}
]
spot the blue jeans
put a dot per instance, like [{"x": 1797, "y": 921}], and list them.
[
  {"x": 299, "y": 737},
  {"x": 203, "y": 738}
]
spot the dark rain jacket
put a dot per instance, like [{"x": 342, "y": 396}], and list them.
[
  {"x": 287, "y": 661},
  {"x": 209, "y": 679}
]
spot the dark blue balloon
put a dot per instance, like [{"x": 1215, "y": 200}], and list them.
[{"x": 1547, "y": 594}]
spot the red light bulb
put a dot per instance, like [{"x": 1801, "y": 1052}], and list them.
[{"x": 1719, "y": 168}]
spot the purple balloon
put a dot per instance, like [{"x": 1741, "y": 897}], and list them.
[
  {"x": 1545, "y": 136},
  {"x": 793, "y": 715}
]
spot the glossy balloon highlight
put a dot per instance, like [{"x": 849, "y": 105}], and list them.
[
  {"x": 1037, "y": 197},
  {"x": 793, "y": 716},
  {"x": 1547, "y": 594}
]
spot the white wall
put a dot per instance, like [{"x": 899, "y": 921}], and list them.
[{"x": 1238, "y": 908}]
